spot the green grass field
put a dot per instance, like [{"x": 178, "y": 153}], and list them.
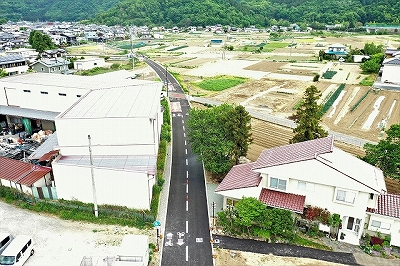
[{"x": 220, "y": 83}]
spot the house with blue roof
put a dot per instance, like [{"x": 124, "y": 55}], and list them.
[{"x": 337, "y": 50}]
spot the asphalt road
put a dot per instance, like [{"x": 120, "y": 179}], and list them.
[{"x": 186, "y": 239}]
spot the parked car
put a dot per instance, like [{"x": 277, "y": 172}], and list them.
[
  {"x": 5, "y": 240},
  {"x": 18, "y": 252}
]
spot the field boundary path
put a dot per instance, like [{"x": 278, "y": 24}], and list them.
[{"x": 359, "y": 142}]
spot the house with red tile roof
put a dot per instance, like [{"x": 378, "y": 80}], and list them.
[
  {"x": 22, "y": 176},
  {"x": 315, "y": 173}
]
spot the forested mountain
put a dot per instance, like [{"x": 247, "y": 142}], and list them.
[
  {"x": 53, "y": 10},
  {"x": 251, "y": 12},
  {"x": 350, "y": 13}
]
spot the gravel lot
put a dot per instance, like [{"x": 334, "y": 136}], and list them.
[{"x": 59, "y": 242}]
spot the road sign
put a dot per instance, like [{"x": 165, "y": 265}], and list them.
[{"x": 156, "y": 223}]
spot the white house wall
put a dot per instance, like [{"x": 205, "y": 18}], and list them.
[
  {"x": 239, "y": 193},
  {"x": 35, "y": 99},
  {"x": 109, "y": 134},
  {"x": 315, "y": 172},
  {"x": 113, "y": 187},
  {"x": 391, "y": 73}
]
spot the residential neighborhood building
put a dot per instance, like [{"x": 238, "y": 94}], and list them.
[
  {"x": 51, "y": 65},
  {"x": 316, "y": 173},
  {"x": 391, "y": 70},
  {"x": 13, "y": 64},
  {"x": 28, "y": 54},
  {"x": 337, "y": 50},
  {"x": 89, "y": 63}
]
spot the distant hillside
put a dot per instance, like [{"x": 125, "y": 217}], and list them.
[
  {"x": 241, "y": 13},
  {"x": 53, "y": 10}
]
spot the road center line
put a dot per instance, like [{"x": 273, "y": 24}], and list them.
[
  {"x": 184, "y": 135},
  {"x": 186, "y": 161},
  {"x": 185, "y": 142},
  {"x": 187, "y": 186},
  {"x": 186, "y": 151},
  {"x": 187, "y": 203},
  {"x": 183, "y": 128},
  {"x": 187, "y": 174},
  {"x": 187, "y": 227},
  {"x": 187, "y": 253}
]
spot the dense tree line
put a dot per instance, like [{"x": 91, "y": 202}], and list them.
[
  {"x": 238, "y": 13},
  {"x": 53, "y": 10},
  {"x": 252, "y": 12}
]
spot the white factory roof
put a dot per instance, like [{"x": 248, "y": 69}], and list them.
[
  {"x": 141, "y": 100},
  {"x": 106, "y": 80}
]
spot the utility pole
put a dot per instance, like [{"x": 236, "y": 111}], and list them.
[
  {"x": 166, "y": 79},
  {"x": 133, "y": 58},
  {"x": 96, "y": 211}
]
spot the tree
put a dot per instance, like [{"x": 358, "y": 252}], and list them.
[
  {"x": 386, "y": 154},
  {"x": 249, "y": 212},
  {"x": 308, "y": 116},
  {"x": 371, "y": 49},
  {"x": 3, "y": 73},
  {"x": 40, "y": 41},
  {"x": 373, "y": 64},
  {"x": 238, "y": 129},
  {"x": 219, "y": 136}
]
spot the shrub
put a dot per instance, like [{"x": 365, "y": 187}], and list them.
[
  {"x": 377, "y": 247},
  {"x": 376, "y": 241},
  {"x": 316, "y": 78}
]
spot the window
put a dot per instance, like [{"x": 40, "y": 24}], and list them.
[
  {"x": 42, "y": 69},
  {"x": 27, "y": 91},
  {"x": 44, "y": 92},
  {"x": 62, "y": 94},
  {"x": 277, "y": 183},
  {"x": 345, "y": 196},
  {"x": 95, "y": 64},
  {"x": 5, "y": 241},
  {"x": 371, "y": 196},
  {"x": 305, "y": 186},
  {"x": 380, "y": 225},
  {"x": 231, "y": 202},
  {"x": 78, "y": 96}
]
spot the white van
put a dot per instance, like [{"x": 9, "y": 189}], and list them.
[
  {"x": 19, "y": 251},
  {"x": 5, "y": 240}
]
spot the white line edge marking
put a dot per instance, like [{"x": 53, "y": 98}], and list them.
[
  {"x": 184, "y": 135},
  {"x": 185, "y": 142},
  {"x": 187, "y": 227},
  {"x": 183, "y": 128},
  {"x": 187, "y": 253}
]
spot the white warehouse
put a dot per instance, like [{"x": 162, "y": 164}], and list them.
[{"x": 124, "y": 125}]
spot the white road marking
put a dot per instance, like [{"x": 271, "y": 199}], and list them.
[
  {"x": 183, "y": 128},
  {"x": 185, "y": 142},
  {"x": 187, "y": 227},
  {"x": 186, "y": 161},
  {"x": 187, "y": 253},
  {"x": 183, "y": 122},
  {"x": 187, "y": 205},
  {"x": 187, "y": 174},
  {"x": 186, "y": 151},
  {"x": 187, "y": 187},
  {"x": 184, "y": 134}
]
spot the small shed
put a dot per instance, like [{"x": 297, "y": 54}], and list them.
[{"x": 89, "y": 63}]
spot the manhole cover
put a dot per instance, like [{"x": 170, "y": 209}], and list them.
[{"x": 199, "y": 239}]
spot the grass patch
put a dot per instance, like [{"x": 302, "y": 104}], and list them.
[
  {"x": 177, "y": 48},
  {"x": 220, "y": 83},
  {"x": 329, "y": 74},
  {"x": 359, "y": 101},
  {"x": 297, "y": 105},
  {"x": 305, "y": 242},
  {"x": 368, "y": 81},
  {"x": 332, "y": 98}
]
